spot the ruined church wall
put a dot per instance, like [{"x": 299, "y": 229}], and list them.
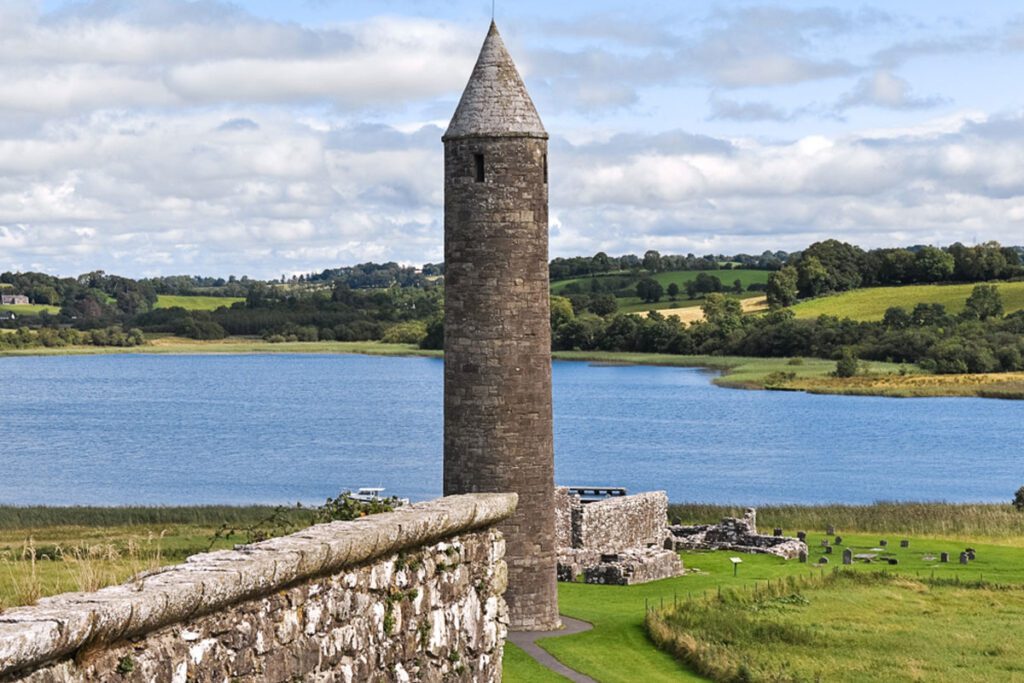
[
  {"x": 620, "y": 523},
  {"x": 415, "y": 594},
  {"x": 612, "y": 524}
]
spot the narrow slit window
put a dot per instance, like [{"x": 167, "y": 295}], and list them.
[
  {"x": 545, "y": 169},
  {"x": 478, "y": 160}
]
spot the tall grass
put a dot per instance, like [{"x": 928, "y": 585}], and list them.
[
  {"x": 785, "y": 630},
  {"x": 935, "y": 519},
  {"x": 35, "y": 571}
]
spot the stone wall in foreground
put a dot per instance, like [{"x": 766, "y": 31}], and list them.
[{"x": 414, "y": 594}]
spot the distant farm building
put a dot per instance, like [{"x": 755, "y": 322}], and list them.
[{"x": 13, "y": 300}]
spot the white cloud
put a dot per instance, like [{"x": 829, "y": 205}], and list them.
[
  {"x": 162, "y": 136},
  {"x": 175, "y": 54},
  {"x": 885, "y": 89}
]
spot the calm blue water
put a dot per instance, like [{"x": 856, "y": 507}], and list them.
[{"x": 281, "y": 428}]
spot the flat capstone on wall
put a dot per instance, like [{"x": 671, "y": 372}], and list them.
[{"x": 412, "y": 595}]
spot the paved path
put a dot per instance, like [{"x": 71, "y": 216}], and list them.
[{"x": 527, "y": 640}]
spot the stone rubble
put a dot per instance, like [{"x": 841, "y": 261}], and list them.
[{"x": 737, "y": 534}]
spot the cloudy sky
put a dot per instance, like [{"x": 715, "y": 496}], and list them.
[{"x": 263, "y": 137}]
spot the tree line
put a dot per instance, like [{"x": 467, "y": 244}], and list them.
[
  {"x": 833, "y": 266},
  {"x": 979, "y": 339}
]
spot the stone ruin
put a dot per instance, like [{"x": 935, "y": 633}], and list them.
[
  {"x": 618, "y": 541},
  {"x": 738, "y": 534}
]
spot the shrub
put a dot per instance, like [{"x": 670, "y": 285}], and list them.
[
  {"x": 848, "y": 364},
  {"x": 412, "y": 332}
]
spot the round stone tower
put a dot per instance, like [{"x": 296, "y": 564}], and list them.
[{"x": 497, "y": 334}]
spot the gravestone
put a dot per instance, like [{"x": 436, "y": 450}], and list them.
[
  {"x": 963, "y": 558},
  {"x": 970, "y": 553},
  {"x": 831, "y": 531},
  {"x": 883, "y": 543},
  {"x": 777, "y": 531},
  {"x": 803, "y": 556},
  {"x": 824, "y": 543},
  {"x": 839, "y": 540},
  {"x": 943, "y": 557},
  {"x": 893, "y": 560},
  {"x": 904, "y": 543},
  {"x": 847, "y": 556},
  {"x": 802, "y": 535},
  {"x": 823, "y": 560},
  {"x": 828, "y": 550}
]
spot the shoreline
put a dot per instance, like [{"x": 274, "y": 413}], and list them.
[{"x": 809, "y": 375}]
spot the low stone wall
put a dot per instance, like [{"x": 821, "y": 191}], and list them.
[
  {"x": 408, "y": 595},
  {"x": 629, "y": 567}
]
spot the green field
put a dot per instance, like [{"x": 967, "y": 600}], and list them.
[
  {"x": 618, "y": 646},
  {"x": 871, "y": 303},
  {"x": 195, "y": 303},
  {"x": 31, "y": 309},
  {"x": 681, "y": 277},
  {"x": 844, "y": 627}
]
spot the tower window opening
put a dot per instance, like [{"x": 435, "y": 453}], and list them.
[
  {"x": 478, "y": 160},
  {"x": 545, "y": 169}
]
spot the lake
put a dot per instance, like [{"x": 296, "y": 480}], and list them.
[{"x": 156, "y": 429}]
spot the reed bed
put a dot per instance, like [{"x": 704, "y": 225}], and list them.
[{"x": 40, "y": 516}]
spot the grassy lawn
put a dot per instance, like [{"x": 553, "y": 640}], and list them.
[
  {"x": 519, "y": 667},
  {"x": 618, "y": 647},
  {"x": 195, "y": 303},
  {"x": 844, "y": 626},
  {"x": 31, "y": 309},
  {"x": 870, "y": 303}
]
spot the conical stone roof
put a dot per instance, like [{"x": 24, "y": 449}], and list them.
[{"x": 495, "y": 102}]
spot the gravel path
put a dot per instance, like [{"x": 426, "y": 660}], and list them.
[{"x": 527, "y": 640}]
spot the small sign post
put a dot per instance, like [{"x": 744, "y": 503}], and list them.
[{"x": 735, "y": 564}]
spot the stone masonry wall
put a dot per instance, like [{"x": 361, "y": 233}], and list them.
[
  {"x": 614, "y": 524},
  {"x": 564, "y": 504},
  {"x": 403, "y": 596},
  {"x": 497, "y": 366}
]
